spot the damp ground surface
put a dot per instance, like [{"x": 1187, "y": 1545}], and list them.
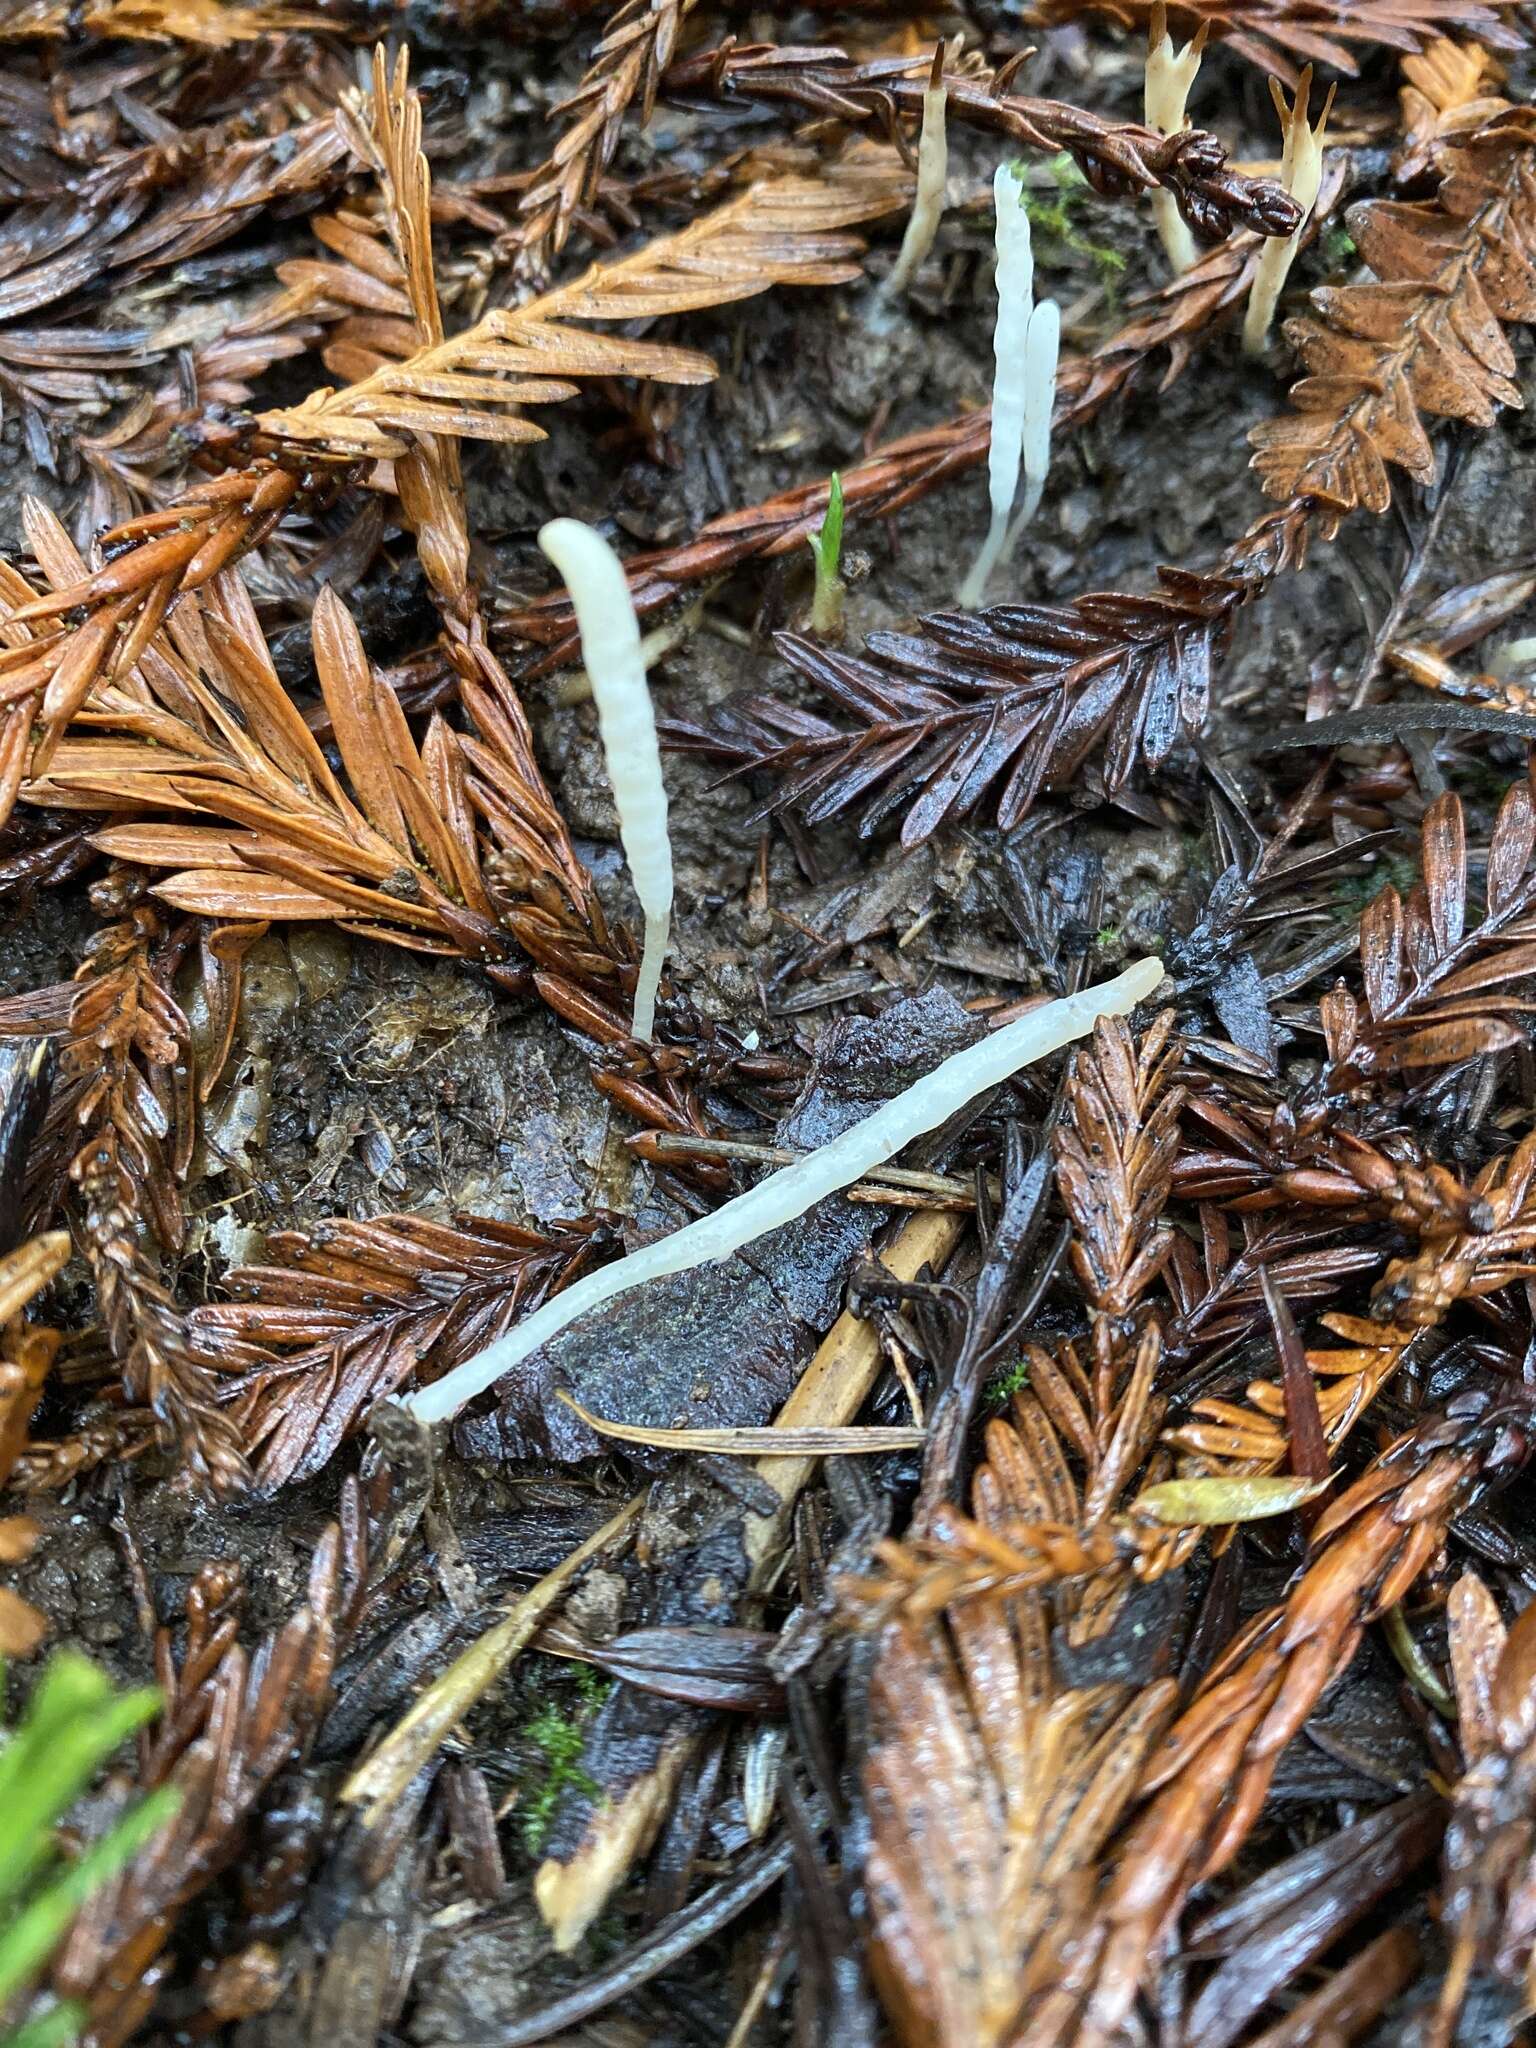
[{"x": 367, "y": 1080}]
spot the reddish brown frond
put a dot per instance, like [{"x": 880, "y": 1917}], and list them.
[
  {"x": 989, "y": 1797},
  {"x": 1278, "y": 35},
  {"x": 1228, "y": 1437},
  {"x": 212, "y": 22},
  {"x": 636, "y": 46},
  {"x": 364, "y": 1306},
  {"x": 1441, "y": 985},
  {"x": 1449, "y": 90},
  {"x": 1115, "y": 157},
  {"x": 1425, "y": 339},
  {"x": 148, "y": 1333},
  {"x": 234, "y": 1723},
  {"x": 121, "y": 1128},
  {"x": 785, "y": 230},
  {"x": 1420, "y": 1290},
  {"x": 1115, "y": 1145},
  {"x": 1490, "y": 1844},
  {"x": 27, "y": 1353},
  {"x": 993, "y": 707},
  {"x": 991, "y": 1788},
  {"x": 1207, "y": 1782}
]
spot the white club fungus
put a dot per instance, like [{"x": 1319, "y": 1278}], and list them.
[
  {"x": 1025, "y": 343},
  {"x": 610, "y": 647},
  {"x": 790, "y": 1192}
]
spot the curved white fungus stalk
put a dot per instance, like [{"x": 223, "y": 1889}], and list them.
[
  {"x": 1301, "y": 173},
  {"x": 610, "y": 647},
  {"x": 1170, "y": 74},
  {"x": 1025, "y": 343},
  {"x": 928, "y": 203},
  {"x": 1042, "y": 350},
  {"x": 789, "y": 1193}
]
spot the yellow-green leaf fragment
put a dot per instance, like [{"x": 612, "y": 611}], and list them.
[{"x": 1208, "y": 1503}]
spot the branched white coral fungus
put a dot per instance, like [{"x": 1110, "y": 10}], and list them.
[
  {"x": 1170, "y": 74},
  {"x": 1301, "y": 173},
  {"x": 1025, "y": 342},
  {"x": 610, "y": 647},
  {"x": 784, "y": 1195}
]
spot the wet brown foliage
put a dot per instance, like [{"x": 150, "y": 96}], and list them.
[
  {"x": 1437, "y": 990},
  {"x": 1116, "y": 157},
  {"x": 358, "y": 1307},
  {"x": 1275, "y": 34},
  {"x": 234, "y": 1722},
  {"x": 27, "y": 1352},
  {"x": 1230, "y": 1350},
  {"x": 990, "y": 708},
  {"x": 1425, "y": 338},
  {"x": 637, "y": 44}
]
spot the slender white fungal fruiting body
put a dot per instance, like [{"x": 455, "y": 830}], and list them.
[
  {"x": 928, "y": 202},
  {"x": 1170, "y": 74},
  {"x": 1025, "y": 344},
  {"x": 1042, "y": 350},
  {"x": 610, "y": 647},
  {"x": 784, "y": 1195},
  {"x": 1301, "y": 173}
]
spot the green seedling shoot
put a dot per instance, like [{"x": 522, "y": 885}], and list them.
[{"x": 826, "y": 546}]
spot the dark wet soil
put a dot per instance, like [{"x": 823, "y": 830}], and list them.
[{"x": 367, "y": 1080}]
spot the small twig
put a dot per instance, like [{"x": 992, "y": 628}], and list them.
[
  {"x": 808, "y": 1440},
  {"x": 380, "y": 1781},
  {"x": 875, "y": 1186}
]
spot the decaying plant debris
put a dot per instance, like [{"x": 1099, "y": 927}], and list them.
[{"x": 1072, "y": 1589}]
